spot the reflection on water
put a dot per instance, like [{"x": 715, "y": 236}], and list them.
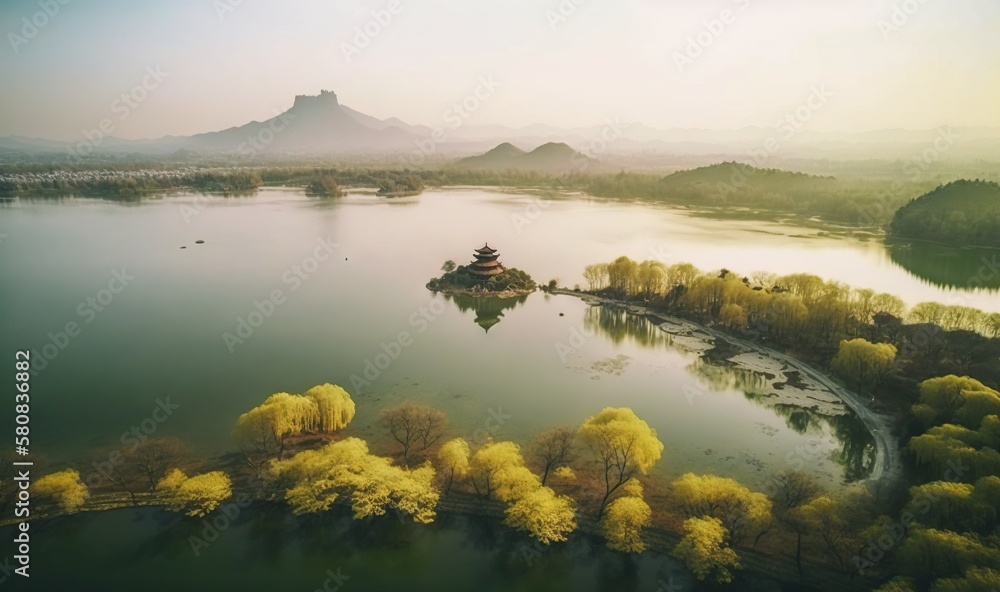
[
  {"x": 618, "y": 325},
  {"x": 488, "y": 309},
  {"x": 855, "y": 445},
  {"x": 948, "y": 267},
  {"x": 265, "y": 548}
]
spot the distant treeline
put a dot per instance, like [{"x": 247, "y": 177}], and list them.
[
  {"x": 130, "y": 186},
  {"x": 769, "y": 191}
]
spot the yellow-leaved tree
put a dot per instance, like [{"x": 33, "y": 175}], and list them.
[
  {"x": 454, "y": 457},
  {"x": 704, "y": 549},
  {"x": 624, "y": 446},
  {"x": 499, "y": 469},
  {"x": 543, "y": 514},
  {"x": 625, "y": 518},
  {"x": 63, "y": 488},
  {"x": 334, "y": 404},
  {"x": 264, "y": 428},
  {"x": 740, "y": 510},
  {"x": 346, "y": 470},
  {"x": 195, "y": 496}
]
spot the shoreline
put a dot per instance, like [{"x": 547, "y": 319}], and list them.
[
  {"x": 508, "y": 293},
  {"x": 659, "y": 541},
  {"x": 888, "y": 464}
]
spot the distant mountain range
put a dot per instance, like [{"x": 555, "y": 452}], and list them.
[
  {"x": 553, "y": 157},
  {"x": 321, "y": 125}
]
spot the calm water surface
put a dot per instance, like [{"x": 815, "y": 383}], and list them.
[{"x": 505, "y": 369}]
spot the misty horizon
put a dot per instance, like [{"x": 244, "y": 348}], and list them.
[{"x": 197, "y": 67}]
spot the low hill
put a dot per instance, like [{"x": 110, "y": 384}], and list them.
[
  {"x": 963, "y": 213},
  {"x": 554, "y": 157}
]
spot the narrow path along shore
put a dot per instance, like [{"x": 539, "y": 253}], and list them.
[{"x": 887, "y": 461}]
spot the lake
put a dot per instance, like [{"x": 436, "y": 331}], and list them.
[{"x": 287, "y": 292}]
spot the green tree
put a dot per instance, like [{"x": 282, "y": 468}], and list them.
[{"x": 864, "y": 362}]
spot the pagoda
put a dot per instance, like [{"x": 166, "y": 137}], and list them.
[{"x": 486, "y": 265}]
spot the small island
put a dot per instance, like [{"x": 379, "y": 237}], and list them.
[{"x": 484, "y": 276}]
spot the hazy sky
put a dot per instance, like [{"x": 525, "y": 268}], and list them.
[{"x": 227, "y": 62}]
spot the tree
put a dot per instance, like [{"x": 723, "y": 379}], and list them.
[
  {"x": 733, "y": 316},
  {"x": 325, "y": 407},
  {"x": 975, "y": 580},
  {"x": 792, "y": 490},
  {"x": 622, "y": 275},
  {"x": 947, "y": 398},
  {"x": 449, "y": 266},
  {"x": 623, "y": 523},
  {"x": 543, "y": 514},
  {"x": 346, "y": 470},
  {"x": 454, "y": 455},
  {"x": 551, "y": 449},
  {"x": 64, "y": 488},
  {"x": 414, "y": 427},
  {"x": 596, "y": 276},
  {"x": 198, "y": 495},
  {"x": 624, "y": 446},
  {"x": 144, "y": 464},
  {"x": 929, "y": 554},
  {"x": 863, "y": 361},
  {"x": 705, "y": 551},
  {"x": 740, "y": 510},
  {"x": 334, "y": 404},
  {"x": 837, "y": 523},
  {"x": 488, "y": 462}
]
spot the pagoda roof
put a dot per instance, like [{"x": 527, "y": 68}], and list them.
[
  {"x": 482, "y": 264},
  {"x": 486, "y": 249}
]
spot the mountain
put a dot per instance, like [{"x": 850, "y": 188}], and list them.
[
  {"x": 313, "y": 124},
  {"x": 553, "y": 157},
  {"x": 316, "y": 124},
  {"x": 964, "y": 213}
]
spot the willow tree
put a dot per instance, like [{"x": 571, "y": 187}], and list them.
[
  {"x": 624, "y": 446},
  {"x": 334, "y": 404},
  {"x": 961, "y": 398},
  {"x": 64, "y": 488},
  {"x": 264, "y": 428},
  {"x": 705, "y": 550},
  {"x": 195, "y": 496},
  {"x": 454, "y": 456},
  {"x": 315, "y": 479},
  {"x": 864, "y": 362},
  {"x": 740, "y": 510}
]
